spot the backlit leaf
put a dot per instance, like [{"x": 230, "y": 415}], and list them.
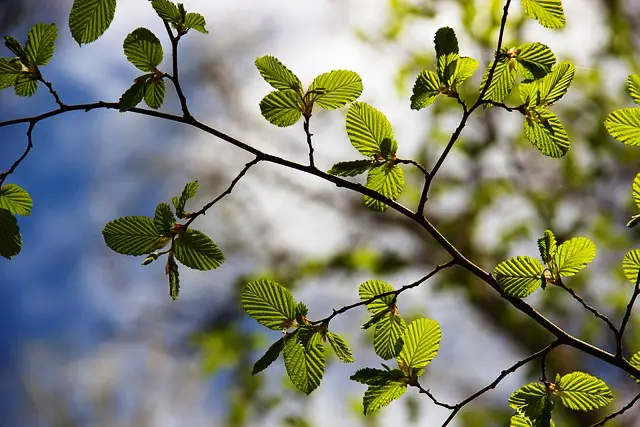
[
  {"x": 535, "y": 59},
  {"x": 352, "y": 168},
  {"x": 367, "y": 128},
  {"x": 545, "y": 131},
  {"x": 446, "y": 45},
  {"x": 132, "y": 235},
  {"x": 335, "y": 89},
  {"x": 504, "y": 77},
  {"x": 196, "y": 22},
  {"x": 269, "y": 303},
  {"x": 421, "y": 343},
  {"x": 188, "y": 192},
  {"x": 624, "y": 125},
  {"x": 281, "y": 108},
  {"x": 549, "y": 13},
  {"x": 547, "y": 246},
  {"x": 387, "y": 338},
  {"x": 387, "y": 180},
  {"x": 154, "y": 93},
  {"x": 164, "y": 219},
  {"x": 425, "y": 90},
  {"x": 519, "y": 276},
  {"x": 633, "y": 87},
  {"x": 573, "y": 255},
  {"x": 196, "y": 250},
  {"x": 379, "y": 396},
  {"x": 631, "y": 264},
  {"x": 276, "y": 74},
  {"x": 583, "y": 392},
  {"x": 340, "y": 347},
  {"x": 304, "y": 359},
  {"x": 89, "y": 19},
  {"x": 40, "y": 43},
  {"x": 15, "y": 199},
  {"x": 143, "y": 49}
]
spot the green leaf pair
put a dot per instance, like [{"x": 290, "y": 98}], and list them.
[
  {"x": 22, "y": 71},
  {"x": 177, "y": 16},
  {"x": 624, "y": 124},
  {"x": 143, "y": 49},
  {"x": 522, "y": 275},
  {"x": 534, "y": 403},
  {"x": 371, "y": 134},
  {"x": 452, "y": 71},
  {"x": 141, "y": 235},
  {"x": 286, "y": 105},
  {"x": 14, "y": 200},
  {"x": 273, "y": 306}
]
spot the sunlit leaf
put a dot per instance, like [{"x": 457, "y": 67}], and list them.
[
  {"x": 459, "y": 70},
  {"x": 335, "y": 89},
  {"x": 164, "y": 220},
  {"x": 143, "y": 49},
  {"x": 367, "y": 128},
  {"x": 25, "y": 84},
  {"x": 304, "y": 359},
  {"x": 545, "y": 131},
  {"x": 387, "y": 180},
  {"x": 421, "y": 343},
  {"x": 269, "y": 303},
  {"x": 340, "y": 347},
  {"x": 583, "y": 392},
  {"x": 555, "y": 84},
  {"x": 425, "y": 90},
  {"x": 532, "y": 401},
  {"x": 196, "y": 250},
  {"x": 10, "y": 69},
  {"x": 446, "y": 45},
  {"x": 166, "y": 10},
  {"x": 372, "y": 288},
  {"x": 549, "y": 13},
  {"x": 535, "y": 60},
  {"x": 519, "y": 276},
  {"x": 40, "y": 43},
  {"x": 281, "y": 108},
  {"x": 276, "y": 74},
  {"x": 504, "y": 77},
  {"x": 624, "y": 125},
  {"x": 132, "y": 235},
  {"x": 633, "y": 87},
  {"x": 196, "y": 22},
  {"x": 89, "y": 19},
  {"x": 631, "y": 264},
  {"x": 547, "y": 246},
  {"x": 387, "y": 338},
  {"x": 573, "y": 255},
  {"x": 15, "y": 199},
  {"x": 154, "y": 93},
  {"x": 635, "y": 189},
  {"x": 379, "y": 396}
]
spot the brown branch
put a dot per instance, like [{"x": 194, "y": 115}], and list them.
[
  {"x": 590, "y": 308},
  {"x": 174, "y": 78},
  {"x": 52, "y": 91},
  {"x": 26, "y": 151},
  {"x": 627, "y": 316},
  {"x": 617, "y": 413}
]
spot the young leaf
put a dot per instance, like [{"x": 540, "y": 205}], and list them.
[
  {"x": 583, "y": 392},
  {"x": 421, "y": 343},
  {"x": 188, "y": 192},
  {"x": 166, "y": 10},
  {"x": 10, "y": 69},
  {"x": 371, "y": 376},
  {"x": 89, "y": 19},
  {"x": 549, "y": 13},
  {"x": 459, "y": 70},
  {"x": 269, "y": 357},
  {"x": 425, "y": 90},
  {"x": 555, "y": 84},
  {"x": 15, "y": 199},
  {"x": 269, "y": 303},
  {"x": 379, "y": 396},
  {"x": 631, "y": 264},
  {"x": 547, "y": 246},
  {"x": 164, "y": 219},
  {"x": 174, "y": 277},
  {"x": 387, "y": 180},
  {"x": 335, "y": 89},
  {"x": 10, "y": 239},
  {"x": 387, "y": 338},
  {"x": 352, "y": 168},
  {"x": 132, "y": 235},
  {"x": 281, "y": 108},
  {"x": 532, "y": 401},
  {"x": 133, "y": 96},
  {"x": 143, "y": 49},
  {"x": 372, "y": 288},
  {"x": 26, "y": 84},
  {"x": 544, "y": 130},
  {"x": 389, "y": 148},
  {"x": 535, "y": 60},
  {"x": 196, "y": 250},
  {"x": 154, "y": 93},
  {"x": 40, "y": 43},
  {"x": 340, "y": 347},
  {"x": 504, "y": 77},
  {"x": 276, "y": 74},
  {"x": 519, "y": 276},
  {"x": 624, "y": 125},
  {"x": 446, "y": 45},
  {"x": 573, "y": 255},
  {"x": 196, "y": 22},
  {"x": 16, "y": 48},
  {"x": 633, "y": 87},
  {"x": 304, "y": 359},
  {"x": 367, "y": 128},
  {"x": 301, "y": 309},
  {"x": 635, "y": 190}
]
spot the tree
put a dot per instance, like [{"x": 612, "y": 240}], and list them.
[{"x": 371, "y": 134}]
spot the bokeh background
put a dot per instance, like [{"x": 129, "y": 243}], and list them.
[{"x": 91, "y": 338}]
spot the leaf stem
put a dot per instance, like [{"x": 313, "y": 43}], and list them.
[
  {"x": 174, "y": 78},
  {"x": 52, "y": 91},
  {"x": 26, "y": 151},
  {"x": 414, "y": 163}
]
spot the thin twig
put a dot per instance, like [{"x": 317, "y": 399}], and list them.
[
  {"x": 26, "y": 151},
  {"x": 174, "y": 78},
  {"x": 620, "y": 412},
  {"x": 52, "y": 92},
  {"x": 501, "y": 105},
  {"x": 307, "y": 119},
  {"x": 431, "y": 396},
  {"x": 395, "y": 293},
  {"x": 414, "y": 163},
  {"x": 627, "y": 316},
  {"x": 590, "y": 308},
  {"x": 225, "y": 193},
  {"x": 502, "y": 375}
]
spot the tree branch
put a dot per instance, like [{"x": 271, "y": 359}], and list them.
[
  {"x": 174, "y": 78},
  {"x": 592, "y": 309},
  {"x": 307, "y": 118},
  {"x": 627, "y": 316},
  {"x": 52, "y": 91},
  {"x": 620, "y": 412}
]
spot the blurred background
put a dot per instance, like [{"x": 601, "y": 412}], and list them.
[{"x": 91, "y": 338}]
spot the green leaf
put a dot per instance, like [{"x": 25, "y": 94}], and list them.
[
  {"x": 16, "y": 48},
  {"x": 10, "y": 69},
  {"x": 367, "y": 128},
  {"x": 174, "y": 277},
  {"x": 164, "y": 219},
  {"x": 633, "y": 87},
  {"x": 196, "y": 250},
  {"x": 535, "y": 60},
  {"x": 340, "y": 347},
  {"x": 583, "y": 392},
  {"x": 304, "y": 359},
  {"x": 335, "y": 89},
  {"x": 631, "y": 264},
  {"x": 547, "y": 246},
  {"x": 459, "y": 71},
  {"x": 504, "y": 77},
  {"x": 166, "y": 10},
  {"x": 522, "y": 421},
  {"x": 635, "y": 189},
  {"x": 624, "y": 125},
  {"x": 379, "y": 396},
  {"x": 276, "y": 74},
  {"x": 548, "y": 13},
  {"x": 425, "y": 90},
  {"x": 41, "y": 43},
  {"x": 446, "y": 45},
  {"x": 133, "y": 96},
  {"x": 269, "y": 357},
  {"x": 387, "y": 338},
  {"x": 196, "y": 22},
  {"x": 10, "y": 239},
  {"x": 555, "y": 84},
  {"x": 532, "y": 401},
  {"x": 371, "y": 376},
  {"x": 154, "y": 93},
  {"x": 372, "y": 288},
  {"x": 281, "y": 108},
  {"x": 15, "y": 199},
  {"x": 387, "y": 180},
  {"x": 519, "y": 276},
  {"x": 26, "y": 84},
  {"x": 573, "y": 255},
  {"x": 132, "y": 235},
  {"x": 389, "y": 148},
  {"x": 352, "y": 168},
  {"x": 301, "y": 309},
  {"x": 269, "y": 303},
  {"x": 544, "y": 130},
  {"x": 89, "y": 19},
  {"x": 188, "y": 192},
  {"x": 143, "y": 49},
  {"x": 635, "y": 362},
  {"x": 421, "y": 343}
]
